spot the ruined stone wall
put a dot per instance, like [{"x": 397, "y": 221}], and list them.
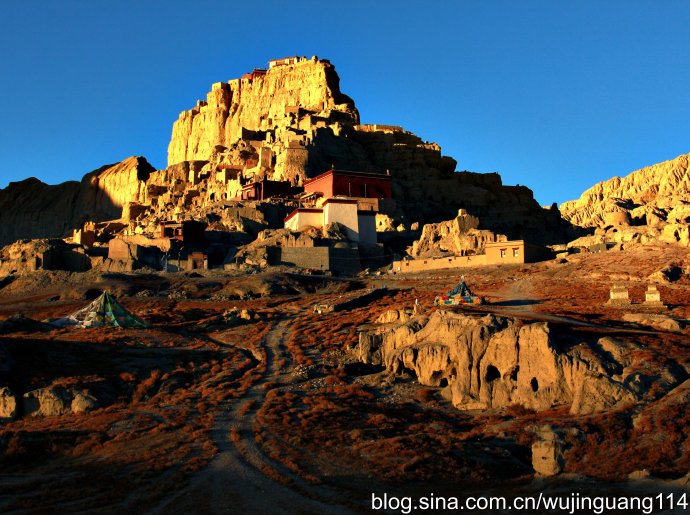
[
  {"x": 423, "y": 265},
  {"x": 317, "y": 258}
]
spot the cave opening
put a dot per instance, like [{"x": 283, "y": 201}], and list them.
[
  {"x": 534, "y": 384},
  {"x": 492, "y": 373}
]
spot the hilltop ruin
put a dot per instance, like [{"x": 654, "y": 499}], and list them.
[{"x": 248, "y": 156}]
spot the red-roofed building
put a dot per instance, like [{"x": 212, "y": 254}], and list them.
[
  {"x": 262, "y": 190},
  {"x": 335, "y": 183}
]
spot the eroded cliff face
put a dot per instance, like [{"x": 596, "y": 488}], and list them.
[
  {"x": 260, "y": 102},
  {"x": 650, "y": 204},
  {"x": 492, "y": 362},
  {"x": 33, "y": 209},
  {"x": 292, "y": 122}
]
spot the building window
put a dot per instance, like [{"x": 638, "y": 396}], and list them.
[
  {"x": 503, "y": 253},
  {"x": 515, "y": 252}
]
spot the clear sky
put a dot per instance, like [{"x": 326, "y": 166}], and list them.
[{"x": 553, "y": 95}]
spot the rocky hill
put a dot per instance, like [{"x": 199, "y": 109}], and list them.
[
  {"x": 264, "y": 100},
  {"x": 652, "y": 203},
  {"x": 292, "y": 122},
  {"x": 289, "y": 122},
  {"x": 33, "y": 209}
]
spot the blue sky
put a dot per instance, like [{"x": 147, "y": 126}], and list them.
[{"x": 553, "y": 95}]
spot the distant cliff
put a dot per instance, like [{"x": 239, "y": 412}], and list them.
[
  {"x": 650, "y": 204},
  {"x": 656, "y": 190},
  {"x": 33, "y": 209}
]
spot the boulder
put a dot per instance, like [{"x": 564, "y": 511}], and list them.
[
  {"x": 50, "y": 401},
  {"x": 636, "y": 475},
  {"x": 8, "y": 403},
  {"x": 656, "y": 321},
  {"x": 547, "y": 453},
  {"x": 83, "y": 402},
  {"x": 668, "y": 274},
  {"x": 57, "y": 400}
]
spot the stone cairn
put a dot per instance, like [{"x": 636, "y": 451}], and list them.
[
  {"x": 618, "y": 296},
  {"x": 652, "y": 298}
]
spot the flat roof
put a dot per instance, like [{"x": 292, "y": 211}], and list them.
[
  {"x": 504, "y": 243},
  {"x": 303, "y": 210},
  {"x": 336, "y": 200},
  {"x": 372, "y": 175}
]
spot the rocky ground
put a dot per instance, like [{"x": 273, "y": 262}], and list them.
[{"x": 270, "y": 408}]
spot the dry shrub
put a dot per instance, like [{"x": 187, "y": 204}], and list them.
[
  {"x": 127, "y": 377},
  {"x": 332, "y": 380},
  {"x": 147, "y": 387},
  {"x": 425, "y": 395},
  {"x": 518, "y": 410},
  {"x": 378, "y": 420},
  {"x": 246, "y": 407}
]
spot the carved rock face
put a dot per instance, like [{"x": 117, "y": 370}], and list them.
[{"x": 493, "y": 361}]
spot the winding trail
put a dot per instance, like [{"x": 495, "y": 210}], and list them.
[{"x": 235, "y": 481}]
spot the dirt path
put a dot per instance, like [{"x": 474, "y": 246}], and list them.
[
  {"x": 235, "y": 481},
  {"x": 518, "y": 300}
]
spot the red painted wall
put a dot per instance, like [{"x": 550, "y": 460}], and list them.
[{"x": 331, "y": 185}]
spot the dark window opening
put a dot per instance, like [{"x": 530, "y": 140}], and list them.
[
  {"x": 514, "y": 374},
  {"x": 492, "y": 373},
  {"x": 443, "y": 383},
  {"x": 534, "y": 384}
]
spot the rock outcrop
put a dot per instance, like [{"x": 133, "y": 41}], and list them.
[
  {"x": 493, "y": 361},
  {"x": 649, "y": 205},
  {"x": 8, "y": 403},
  {"x": 458, "y": 236},
  {"x": 31, "y": 255},
  {"x": 33, "y": 209},
  {"x": 547, "y": 453},
  {"x": 57, "y": 400}
]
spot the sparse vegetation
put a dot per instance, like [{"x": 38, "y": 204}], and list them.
[{"x": 284, "y": 393}]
